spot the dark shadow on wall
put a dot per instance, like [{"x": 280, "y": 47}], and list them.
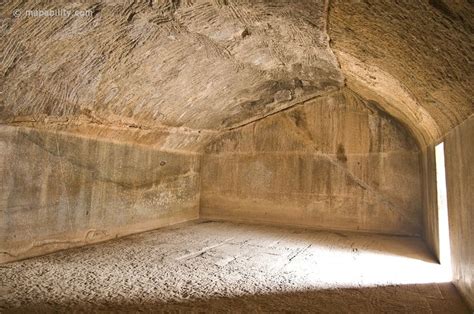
[{"x": 420, "y": 298}]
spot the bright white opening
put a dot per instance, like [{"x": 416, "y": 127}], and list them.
[{"x": 443, "y": 223}]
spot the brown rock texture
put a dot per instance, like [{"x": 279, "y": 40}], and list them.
[
  {"x": 413, "y": 56},
  {"x": 314, "y": 112},
  {"x": 459, "y": 157},
  {"x": 201, "y": 65},
  {"x": 220, "y": 267},
  {"x": 59, "y": 191},
  {"x": 336, "y": 162},
  {"x": 459, "y": 152}
]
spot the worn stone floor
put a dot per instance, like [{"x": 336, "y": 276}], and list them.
[{"x": 228, "y": 267}]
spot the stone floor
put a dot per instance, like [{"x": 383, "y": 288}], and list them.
[{"x": 221, "y": 267}]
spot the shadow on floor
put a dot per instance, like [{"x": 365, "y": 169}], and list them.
[{"x": 425, "y": 298}]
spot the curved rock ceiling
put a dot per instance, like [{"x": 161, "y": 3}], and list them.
[
  {"x": 414, "y": 57},
  {"x": 173, "y": 73}
]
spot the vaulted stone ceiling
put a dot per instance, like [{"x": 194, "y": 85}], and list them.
[
  {"x": 174, "y": 73},
  {"x": 414, "y": 57}
]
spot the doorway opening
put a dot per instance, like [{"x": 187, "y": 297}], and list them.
[{"x": 443, "y": 220}]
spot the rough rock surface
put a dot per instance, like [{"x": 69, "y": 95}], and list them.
[
  {"x": 413, "y": 56},
  {"x": 222, "y": 267},
  {"x": 129, "y": 63},
  {"x": 151, "y": 64},
  {"x": 336, "y": 162},
  {"x": 175, "y": 75}
]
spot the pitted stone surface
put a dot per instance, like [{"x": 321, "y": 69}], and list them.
[{"x": 221, "y": 267}]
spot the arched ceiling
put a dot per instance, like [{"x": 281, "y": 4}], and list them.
[
  {"x": 195, "y": 64},
  {"x": 172, "y": 73},
  {"x": 414, "y": 57}
]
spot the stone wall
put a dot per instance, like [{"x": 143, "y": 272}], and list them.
[
  {"x": 459, "y": 156},
  {"x": 429, "y": 199},
  {"x": 59, "y": 191},
  {"x": 335, "y": 162}
]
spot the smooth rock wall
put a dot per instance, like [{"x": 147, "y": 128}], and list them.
[
  {"x": 336, "y": 162},
  {"x": 59, "y": 190},
  {"x": 459, "y": 157},
  {"x": 429, "y": 199}
]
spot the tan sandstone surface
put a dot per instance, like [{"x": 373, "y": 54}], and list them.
[{"x": 317, "y": 113}]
